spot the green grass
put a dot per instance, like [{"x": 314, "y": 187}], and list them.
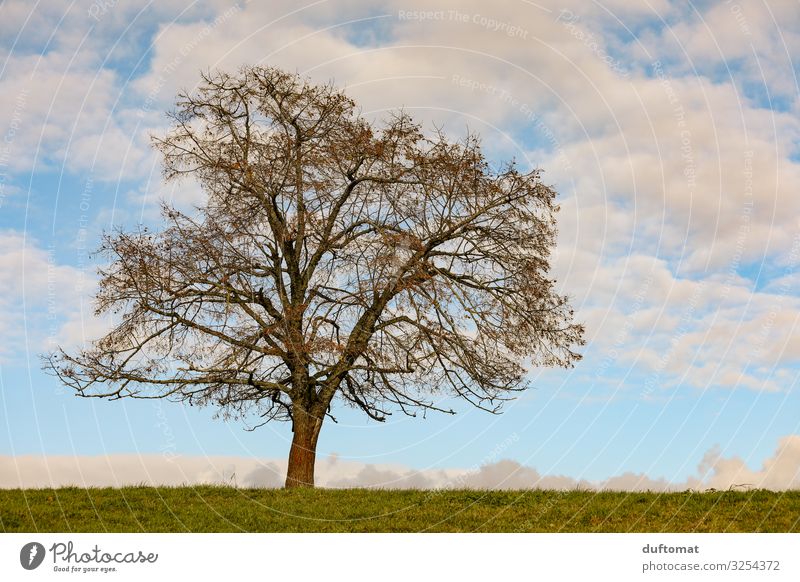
[{"x": 224, "y": 509}]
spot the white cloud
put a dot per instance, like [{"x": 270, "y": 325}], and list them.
[
  {"x": 61, "y": 112},
  {"x": 654, "y": 182},
  {"x": 622, "y": 136},
  {"x": 753, "y": 42},
  {"x": 42, "y": 303},
  {"x": 716, "y": 331},
  {"x": 778, "y": 472}
]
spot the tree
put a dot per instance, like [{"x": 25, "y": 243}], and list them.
[{"x": 331, "y": 259}]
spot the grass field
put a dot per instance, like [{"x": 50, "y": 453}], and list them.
[{"x": 225, "y": 509}]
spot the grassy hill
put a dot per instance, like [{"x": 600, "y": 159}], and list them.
[{"x": 225, "y": 509}]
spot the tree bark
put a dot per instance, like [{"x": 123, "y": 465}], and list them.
[{"x": 303, "y": 453}]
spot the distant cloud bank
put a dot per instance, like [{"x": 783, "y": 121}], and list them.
[{"x": 779, "y": 472}]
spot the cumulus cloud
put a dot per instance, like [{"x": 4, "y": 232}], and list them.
[
  {"x": 59, "y": 113},
  {"x": 41, "y": 300},
  {"x": 711, "y": 332},
  {"x": 779, "y": 472},
  {"x": 674, "y": 176},
  {"x": 655, "y": 166}
]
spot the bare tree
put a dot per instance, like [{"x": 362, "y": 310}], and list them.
[{"x": 331, "y": 259}]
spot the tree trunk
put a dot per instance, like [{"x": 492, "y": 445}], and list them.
[{"x": 303, "y": 453}]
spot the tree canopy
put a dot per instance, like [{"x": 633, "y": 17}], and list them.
[{"x": 332, "y": 258}]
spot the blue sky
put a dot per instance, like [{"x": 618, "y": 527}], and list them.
[{"x": 671, "y": 133}]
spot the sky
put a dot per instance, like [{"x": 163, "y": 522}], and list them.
[{"x": 670, "y": 130}]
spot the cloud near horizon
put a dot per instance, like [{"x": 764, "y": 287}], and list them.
[{"x": 780, "y": 472}]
